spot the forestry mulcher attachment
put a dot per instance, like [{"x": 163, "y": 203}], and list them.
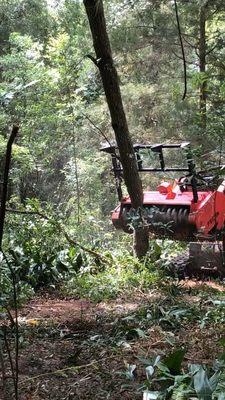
[{"x": 190, "y": 208}]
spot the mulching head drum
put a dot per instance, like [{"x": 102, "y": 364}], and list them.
[
  {"x": 170, "y": 222},
  {"x": 164, "y": 221}
]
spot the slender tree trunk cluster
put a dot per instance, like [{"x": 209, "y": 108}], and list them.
[
  {"x": 202, "y": 68},
  {"x": 105, "y": 64}
]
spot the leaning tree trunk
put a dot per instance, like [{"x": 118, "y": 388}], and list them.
[
  {"x": 5, "y": 182},
  {"x": 104, "y": 62}
]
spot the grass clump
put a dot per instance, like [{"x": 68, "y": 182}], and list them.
[{"x": 124, "y": 274}]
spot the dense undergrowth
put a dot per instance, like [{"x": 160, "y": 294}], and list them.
[
  {"x": 38, "y": 256},
  {"x": 39, "y": 250}
]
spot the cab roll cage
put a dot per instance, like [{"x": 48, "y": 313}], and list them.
[{"x": 155, "y": 148}]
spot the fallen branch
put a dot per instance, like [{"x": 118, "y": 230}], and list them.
[{"x": 58, "y": 371}]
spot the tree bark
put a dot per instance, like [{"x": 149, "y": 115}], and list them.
[
  {"x": 202, "y": 68},
  {"x": 6, "y": 179},
  {"x": 105, "y": 64}
]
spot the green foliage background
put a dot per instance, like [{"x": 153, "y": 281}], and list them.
[{"x": 52, "y": 89}]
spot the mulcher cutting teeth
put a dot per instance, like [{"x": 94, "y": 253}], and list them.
[{"x": 170, "y": 222}]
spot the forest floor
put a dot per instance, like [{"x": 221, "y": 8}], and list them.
[{"x": 76, "y": 349}]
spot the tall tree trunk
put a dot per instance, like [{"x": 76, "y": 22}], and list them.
[
  {"x": 202, "y": 68},
  {"x": 104, "y": 62}
]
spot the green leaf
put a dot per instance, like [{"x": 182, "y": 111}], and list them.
[
  {"x": 147, "y": 395},
  {"x": 149, "y": 371},
  {"x": 130, "y": 371},
  {"x": 174, "y": 360},
  {"x": 135, "y": 333},
  {"x": 201, "y": 382},
  {"x": 214, "y": 380},
  {"x": 145, "y": 361},
  {"x": 156, "y": 361}
]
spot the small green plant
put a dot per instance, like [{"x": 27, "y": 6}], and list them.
[
  {"x": 214, "y": 314},
  {"x": 166, "y": 379}
]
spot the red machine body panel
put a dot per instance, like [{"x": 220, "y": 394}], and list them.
[{"x": 154, "y": 197}]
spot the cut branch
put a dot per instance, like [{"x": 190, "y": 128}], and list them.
[
  {"x": 92, "y": 59},
  {"x": 97, "y": 128}
]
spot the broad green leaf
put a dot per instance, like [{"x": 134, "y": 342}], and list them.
[
  {"x": 174, "y": 360},
  {"x": 147, "y": 395},
  {"x": 130, "y": 371},
  {"x": 149, "y": 371},
  {"x": 201, "y": 382},
  {"x": 214, "y": 380}
]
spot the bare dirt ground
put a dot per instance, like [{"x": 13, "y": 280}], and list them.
[{"x": 75, "y": 349}]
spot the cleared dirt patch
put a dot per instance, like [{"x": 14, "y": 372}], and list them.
[{"x": 75, "y": 349}]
